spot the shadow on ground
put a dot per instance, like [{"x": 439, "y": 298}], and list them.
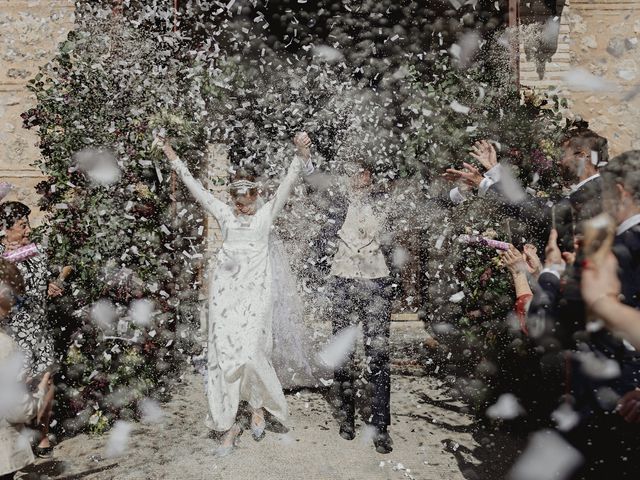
[
  {"x": 496, "y": 447},
  {"x": 54, "y": 468}
]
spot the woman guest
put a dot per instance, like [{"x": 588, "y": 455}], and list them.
[
  {"x": 27, "y": 323},
  {"x": 522, "y": 266},
  {"x": 240, "y": 301},
  {"x": 18, "y": 406}
]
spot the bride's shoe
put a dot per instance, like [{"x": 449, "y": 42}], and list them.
[
  {"x": 258, "y": 427},
  {"x": 229, "y": 441}
]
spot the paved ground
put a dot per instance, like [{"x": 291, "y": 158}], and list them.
[{"x": 433, "y": 440}]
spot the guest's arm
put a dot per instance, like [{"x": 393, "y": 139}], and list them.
[
  {"x": 543, "y": 310},
  {"x": 600, "y": 288},
  {"x": 24, "y": 406},
  {"x": 470, "y": 178},
  {"x": 516, "y": 264}
]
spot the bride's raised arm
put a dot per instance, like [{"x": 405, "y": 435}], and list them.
[
  {"x": 301, "y": 161},
  {"x": 214, "y": 206}
]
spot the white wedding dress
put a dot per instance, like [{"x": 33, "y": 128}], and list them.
[
  {"x": 240, "y": 341},
  {"x": 292, "y": 357}
]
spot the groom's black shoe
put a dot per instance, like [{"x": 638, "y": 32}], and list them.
[
  {"x": 348, "y": 429},
  {"x": 382, "y": 440}
]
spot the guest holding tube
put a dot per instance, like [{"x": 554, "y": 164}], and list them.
[{"x": 27, "y": 324}]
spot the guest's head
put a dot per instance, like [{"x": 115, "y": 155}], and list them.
[
  {"x": 14, "y": 223},
  {"x": 11, "y": 287},
  {"x": 621, "y": 185},
  {"x": 244, "y": 190},
  {"x": 583, "y": 150}
]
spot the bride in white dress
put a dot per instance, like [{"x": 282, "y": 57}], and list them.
[{"x": 240, "y": 301}]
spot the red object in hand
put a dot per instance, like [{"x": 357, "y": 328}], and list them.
[
  {"x": 521, "y": 307},
  {"x": 21, "y": 254}
]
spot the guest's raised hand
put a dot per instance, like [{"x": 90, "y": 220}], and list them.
[
  {"x": 54, "y": 290},
  {"x": 11, "y": 246},
  {"x": 470, "y": 176},
  {"x": 629, "y": 406},
  {"x": 553, "y": 255},
  {"x": 534, "y": 265},
  {"x": 484, "y": 153},
  {"x": 514, "y": 260}
]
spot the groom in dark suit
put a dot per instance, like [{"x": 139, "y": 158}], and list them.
[{"x": 353, "y": 252}]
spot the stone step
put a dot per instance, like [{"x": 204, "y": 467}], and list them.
[{"x": 404, "y": 317}]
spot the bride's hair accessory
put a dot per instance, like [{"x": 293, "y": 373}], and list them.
[{"x": 242, "y": 187}]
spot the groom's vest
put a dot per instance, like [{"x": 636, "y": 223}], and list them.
[{"x": 327, "y": 242}]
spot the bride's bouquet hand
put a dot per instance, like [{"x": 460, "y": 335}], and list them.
[
  {"x": 160, "y": 141},
  {"x": 303, "y": 144}
]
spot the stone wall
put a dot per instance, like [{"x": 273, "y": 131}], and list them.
[
  {"x": 597, "y": 66},
  {"x": 30, "y": 31}
]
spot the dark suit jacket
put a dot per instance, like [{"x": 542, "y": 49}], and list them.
[
  {"x": 627, "y": 249},
  {"x": 559, "y": 306},
  {"x": 584, "y": 203}
]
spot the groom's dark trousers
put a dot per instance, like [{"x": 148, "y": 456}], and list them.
[{"x": 369, "y": 301}]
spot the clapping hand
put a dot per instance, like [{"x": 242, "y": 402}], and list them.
[
  {"x": 552, "y": 253},
  {"x": 530, "y": 253},
  {"x": 484, "y": 153},
  {"x": 470, "y": 176},
  {"x": 54, "y": 290},
  {"x": 629, "y": 406},
  {"x": 12, "y": 246},
  {"x": 514, "y": 260}
]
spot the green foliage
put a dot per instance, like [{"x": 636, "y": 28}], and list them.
[
  {"x": 527, "y": 126},
  {"x": 456, "y": 107},
  {"x": 112, "y": 83},
  {"x": 100, "y": 98}
]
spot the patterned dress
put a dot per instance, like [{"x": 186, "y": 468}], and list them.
[{"x": 28, "y": 321}]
